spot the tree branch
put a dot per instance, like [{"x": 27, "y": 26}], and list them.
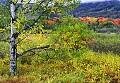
[
  {"x": 5, "y": 40},
  {"x": 35, "y": 48}
]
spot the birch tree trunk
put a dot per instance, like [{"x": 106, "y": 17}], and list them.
[{"x": 13, "y": 58}]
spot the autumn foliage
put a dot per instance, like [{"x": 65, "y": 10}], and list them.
[
  {"x": 89, "y": 20},
  {"x": 49, "y": 22},
  {"x": 117, "y": 22}
]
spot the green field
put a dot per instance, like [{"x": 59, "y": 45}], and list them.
[
  {"x": 40, "y": 42},
  {"x": 80, "y": 66},
  {"x": 107, "y": 43}
]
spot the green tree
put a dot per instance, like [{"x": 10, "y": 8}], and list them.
[
  {"x": 4, "y": 15},
  {"x": 26, "y": 15}
]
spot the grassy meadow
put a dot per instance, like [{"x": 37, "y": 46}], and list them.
[{"x": 75, "y": 55}]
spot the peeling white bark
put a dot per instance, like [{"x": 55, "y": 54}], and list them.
[
  {"x": 13, "y": 57},
  {"x": 12, "y": 8}
]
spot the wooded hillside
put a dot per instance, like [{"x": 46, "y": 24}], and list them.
[{"x": 110, "y": 9}]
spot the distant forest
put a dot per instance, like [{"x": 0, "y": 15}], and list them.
[{"x": 109, "y": 9}]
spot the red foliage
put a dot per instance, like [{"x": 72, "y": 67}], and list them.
[
  {"x": 117, "y": 22},
  {"x": 85, "y": 19},
  {"x": 58, "y": 43},
  {"x": 101, "y": 20},
  {"x": 56, "y": 19},
  {"x": 50, "y": 22}
]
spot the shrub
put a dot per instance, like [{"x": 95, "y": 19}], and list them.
[
  {"x": 4, "y": 66},
  {"x": 4, "y": 49},
  {"x": 71, "y": 35}
]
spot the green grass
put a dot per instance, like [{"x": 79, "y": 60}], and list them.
[
  {"x": 91, "y": 67},
  {"x": 85, "y": 67},
  {"x": 107, "y": 43},
  {"x": 62, "y": 63}
]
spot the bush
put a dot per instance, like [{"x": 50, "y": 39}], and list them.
[
  {"x": 4, "y": 49},
  {"x": 71, "y": 35},
  {"x": 4, "y": 66}
]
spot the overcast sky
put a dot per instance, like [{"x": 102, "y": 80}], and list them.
[{"x": 92, "y": 0}]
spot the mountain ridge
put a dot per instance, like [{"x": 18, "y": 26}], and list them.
[{"x": 107, "y": 9}]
